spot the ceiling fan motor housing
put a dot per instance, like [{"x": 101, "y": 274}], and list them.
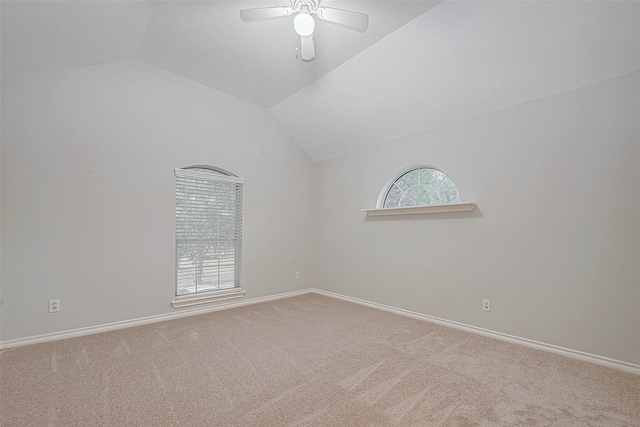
[
  {"x": 311, "y": 6},
  {"x": 304, "y": 23}
]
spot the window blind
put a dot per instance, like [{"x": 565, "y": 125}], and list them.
[{"x": 208, "y": 231}]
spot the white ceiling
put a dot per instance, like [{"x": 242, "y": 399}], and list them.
[
  {"x": 459, "y": 60},
  {"x": 421, "y": 64}
]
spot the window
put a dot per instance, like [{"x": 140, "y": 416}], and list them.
[
  {"x": 419, "y": 186},
  {"x": 208, "y": 230}
]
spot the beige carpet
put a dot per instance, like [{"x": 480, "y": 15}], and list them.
[{"x": 305, "y": 361}]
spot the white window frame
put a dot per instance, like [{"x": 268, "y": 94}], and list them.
[{"x": 211, "y": 174}]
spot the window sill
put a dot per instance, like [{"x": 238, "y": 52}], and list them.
[
  {"x": 413, "y": 210},
  {"x": 191, "y": 300}
]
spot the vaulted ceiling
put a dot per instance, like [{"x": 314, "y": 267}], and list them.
[{"x": 421, "y": 64}]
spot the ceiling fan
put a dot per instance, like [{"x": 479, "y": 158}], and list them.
[{"x": 303, "y": 22}]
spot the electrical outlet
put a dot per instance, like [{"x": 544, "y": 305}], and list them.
[
  {"x": 486, "y": 304},
  {"x": 297, "y": 275},
  {"x": 54, "y": 305}
]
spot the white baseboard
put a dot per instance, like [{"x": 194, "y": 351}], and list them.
[
  {"x": 54, "y": 336},
  {"x": 575, "y": 354}
]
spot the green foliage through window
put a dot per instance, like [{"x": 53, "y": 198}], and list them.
[
  {"x": 422, "y": 186},
  {"x": 208, "y": 231}
]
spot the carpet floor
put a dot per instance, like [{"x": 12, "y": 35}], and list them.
[{"x": 305, "y": 361}]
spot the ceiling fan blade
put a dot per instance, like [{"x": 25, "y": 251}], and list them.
[
  {"x": 354, "y": 20},
  {"x": 307, "y": 48},
  {"x": 252, "y": 15}
]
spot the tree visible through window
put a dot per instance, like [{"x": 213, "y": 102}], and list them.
[
  {"x": 208, "y": 230},
  {"x": 420, "y": 186}
]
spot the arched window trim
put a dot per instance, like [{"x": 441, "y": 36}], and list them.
[
  {"x": 387, "y": 187},
  {"x": 214, "y": 169}
]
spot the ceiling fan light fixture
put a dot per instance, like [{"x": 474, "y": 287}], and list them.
[{"x": 304, "y": 24}]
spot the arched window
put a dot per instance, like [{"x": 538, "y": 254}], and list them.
[{"x": 419, "y": 186}]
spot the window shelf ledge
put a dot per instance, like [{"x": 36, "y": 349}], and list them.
[
  {"x": 191, "y": 300},
  {"x": 419, "y": 210}
]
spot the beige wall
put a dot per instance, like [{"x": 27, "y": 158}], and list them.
[
  {"x": 88, "y": 192},
  {"x": 554, "y": 242},
  {"x": 88, "y": 198}
]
